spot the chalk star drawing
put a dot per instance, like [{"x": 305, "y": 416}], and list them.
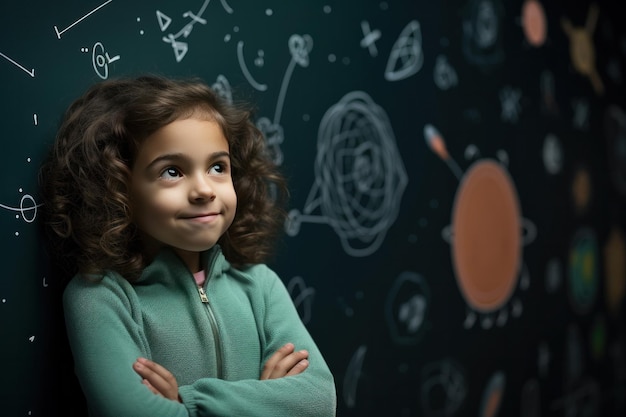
[
  {"x": 486, "y": 237},
  {"x": 582, "y": 50},
  {"x": 360, "y": 177}
]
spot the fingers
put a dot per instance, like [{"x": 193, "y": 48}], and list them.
[
  {"x": 158, "y": 379},
  {"x": 285, "y": 362}
]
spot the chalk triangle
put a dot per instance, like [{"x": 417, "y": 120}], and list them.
[{"x": 164, "y": 20}]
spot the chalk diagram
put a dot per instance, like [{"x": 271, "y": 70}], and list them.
[
  {"x": 481, "y": 43},
  {"x": 59, "y": 33},
  {"x": 582, "y": 50},
  {"x": 180, "y": 47},
  {"x": 406, "y": 307},
  {"x": 443, "y": 388},
  {"x": 406, "y": 57},
  {"x": 101, "y": 60},
  {"x": 487, "y": 235},
  {"x": 359, "y": 176},
  {"x": 299, "y": 48},
  {"x": 26, "y": 210}
]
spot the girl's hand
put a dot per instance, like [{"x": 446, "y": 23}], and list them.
[
  {"x": 158, "y": 379},
  {"x": 285, "y": 362}
]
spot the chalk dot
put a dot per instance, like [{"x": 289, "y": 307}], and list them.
[
  {"x": 327, "y": 9},
  {"x": 32, "y": 338},
  {"x": 17, "y": 216},
  {"x": 236, "y": 29},
  {"x": 141, "y": 32},
  {"x": 227, "y": 37},
  {"x": 17, "y": 233},
  {"x": 269, "y": 12},
  {"x": 27, "y": 159},
  {"x": 20, "y": 190},
  {"x": 4, "y": 300},
  {"x": 139, "y": 19},
  {"x": 332, "y": 58}
]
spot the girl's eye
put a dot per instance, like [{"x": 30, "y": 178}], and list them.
[
  {"x": 170, "y": 173},
  {"x": 219, "y": 168}
]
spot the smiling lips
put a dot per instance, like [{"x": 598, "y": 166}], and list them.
[{"x": 201, "y": 218}]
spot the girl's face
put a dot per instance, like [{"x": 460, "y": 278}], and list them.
[{"x": 182, "y": 188}]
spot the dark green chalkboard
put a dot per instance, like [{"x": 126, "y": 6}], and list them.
[{"x": 355, "y": 96}]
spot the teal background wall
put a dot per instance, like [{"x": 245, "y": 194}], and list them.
[{"x": 458, "y": 177}]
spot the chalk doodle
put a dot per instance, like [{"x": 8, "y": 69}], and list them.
[
  {"x": 510, "y": 104},
  {"x": 445, "y": 75},
  {"x": 30, "y": 72},
  {"x": 406, "y": 57},
  {"x": 444, "y": 388},
  {"x": 369, "y": 38},
  {"x": 360, "y": 177},
  {"x": 582, "y": 50},
  {"x": 299, "y": 48},
  {"x": 246, "y": 71},
  {"x": 181, "y": 48},
  {"x": 352, "y": 376},
  {"x": 61, "y": 32},
  {"x": 27, "y": 209},
  {"x": 482, "y": 45},
  {"x": 302, "y": 297},
  {"x": 100, "y": 60},
  {"x": 406, "y": 308},
  {"x": 486, "y": 237}
]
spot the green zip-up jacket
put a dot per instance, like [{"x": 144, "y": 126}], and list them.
[{"x": 215, "y": 349}]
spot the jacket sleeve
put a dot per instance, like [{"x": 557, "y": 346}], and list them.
[
  {"x": 311, "y": 393},
  {"x": 104, "y": 334}
]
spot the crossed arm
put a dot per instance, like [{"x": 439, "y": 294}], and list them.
[{"x": 285, "y": 362}]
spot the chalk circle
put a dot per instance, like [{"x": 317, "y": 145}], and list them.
[
  {"x": 487, "y": 236},
  {"x": 534, "y": 22}
]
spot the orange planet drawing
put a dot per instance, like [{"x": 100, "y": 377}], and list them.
[{"x": 486, "y": 228}]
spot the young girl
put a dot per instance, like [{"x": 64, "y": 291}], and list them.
[{"x": 162, "y": 202}]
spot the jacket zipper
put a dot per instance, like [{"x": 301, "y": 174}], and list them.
[{"x": 213, "y": 323}]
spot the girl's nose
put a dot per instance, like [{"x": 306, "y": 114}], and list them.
[{"x": 201, "y": 188}]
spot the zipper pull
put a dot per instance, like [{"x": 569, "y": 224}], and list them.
[{"x": 203, "y": 296}]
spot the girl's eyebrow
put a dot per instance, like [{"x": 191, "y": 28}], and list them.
[{"x": 174, "y": 157}]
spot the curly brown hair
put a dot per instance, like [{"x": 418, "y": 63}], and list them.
[{"x": 85, "y": 179}]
